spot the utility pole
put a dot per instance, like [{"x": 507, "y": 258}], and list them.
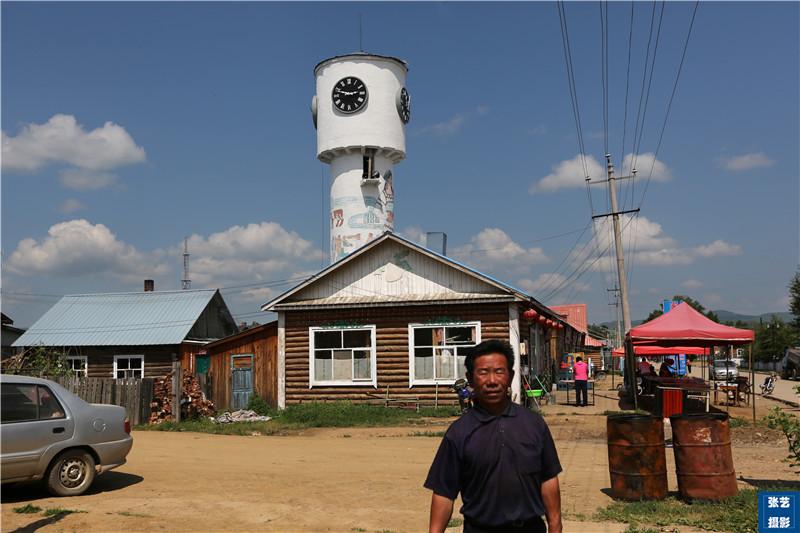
[{"x": 623, "y": 282}]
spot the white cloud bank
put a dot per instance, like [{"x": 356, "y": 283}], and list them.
[
  {"x": 254, "y": 253},
  {"x": 570, "y": 174},
  {"x": 80, "y": 248},
  {"x": 747, "y": 161},
  {"x": 493, "y": 251},
  {"x": 63, "y": 141}
]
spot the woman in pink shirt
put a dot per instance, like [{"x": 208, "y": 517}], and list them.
[{"x": 581, "y": 373}]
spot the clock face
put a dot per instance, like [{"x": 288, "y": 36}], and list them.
[
  {"x": 349, "y": 94},
  {"x": 404, "y": 105}
]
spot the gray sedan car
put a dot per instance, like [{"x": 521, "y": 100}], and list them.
[{"x": 49, "y": 433}]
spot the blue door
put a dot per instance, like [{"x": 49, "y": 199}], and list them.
[{"x": 241, "y": 381}]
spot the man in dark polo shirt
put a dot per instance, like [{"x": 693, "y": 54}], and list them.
[{"x": 498, "y": 455}]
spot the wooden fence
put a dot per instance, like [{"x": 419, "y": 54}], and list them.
[{"x": 135, "y": 395}]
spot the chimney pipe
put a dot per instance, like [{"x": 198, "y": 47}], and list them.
[{"x": 149, "y": 285}]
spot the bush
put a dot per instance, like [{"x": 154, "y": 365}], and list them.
[
  {"x": 790, "y": 426},
  {"x": 260, "y": 406}
]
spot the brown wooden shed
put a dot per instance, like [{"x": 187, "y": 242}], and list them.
[{"x": 240, "y": 366}]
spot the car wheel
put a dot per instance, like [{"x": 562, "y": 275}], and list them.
[{"x": 71, "y": 473}]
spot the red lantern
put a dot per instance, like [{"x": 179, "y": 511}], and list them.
[
  {"x": 561, "y": 326},
  {"x": 530, "y": 314},
  {"x": 542, "y": 319}
]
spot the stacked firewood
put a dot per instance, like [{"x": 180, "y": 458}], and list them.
[
  {"x": 194, "y": 403},
  {"x": 161, "y": 406}
]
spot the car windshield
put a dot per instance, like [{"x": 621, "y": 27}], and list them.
[{"x": 723, "y": 364}]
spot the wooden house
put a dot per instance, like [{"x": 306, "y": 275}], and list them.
[
  {"x": 394, "y": 319},
  {"x": 239, "y": 366},
  {"x": 131, "y": 335}
]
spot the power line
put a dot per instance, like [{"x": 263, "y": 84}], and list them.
[
  {"x": 576, "y": 113},
  {"x": 551, "y": 237},
  {"x": 627, "y": 85},
  {"x": 638, "y": 143},
  {"x": 671, "y": 98}
]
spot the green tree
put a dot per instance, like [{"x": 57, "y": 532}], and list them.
[
  {"x": 772, "y": 338},
  {"x": 794, "y": 300},
  {"x": 655, "y": 313}
]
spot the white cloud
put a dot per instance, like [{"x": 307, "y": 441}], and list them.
[
  {"x": 80, "y": 248},
  {"x": 454, "y": 124},
  {"x": 252, "y": 253},
  {"x": 81, "y": 179},
  {"x": 414, "y": 234},
  {"x": 644, "y": 162},
  {"x": 548, "y": 282},
  {"x": 747, "y": 161},
  {"x": 493, "y": 251},
  {"x": 718, "y": 248},
  {"x": 70, "y": 205},
  {"x": 62, "y": 140},
  {"x": 692, "y": 284},
  {"x": 646, "y": 244},
  {"x": 570, "y": 173}
]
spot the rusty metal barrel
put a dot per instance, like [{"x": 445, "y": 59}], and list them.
[
  {"x": 703, "y": 457},
  {"x": 637, "y": 459}
]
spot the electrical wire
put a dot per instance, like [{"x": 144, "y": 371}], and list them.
[
  {"x": 576, "y": 113},
  {"x": 671, "y": 98}
]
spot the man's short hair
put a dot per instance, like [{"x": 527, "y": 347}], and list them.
[
  {"x": 579, "y": 359},
  {"x": 490, "y": 347}
]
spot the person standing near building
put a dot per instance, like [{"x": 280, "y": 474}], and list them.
[
  {"x": 499, "y": 456},
  {"x": 581, "y": 371}
]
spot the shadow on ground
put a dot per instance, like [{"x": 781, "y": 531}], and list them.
[
  {"x": 108, "y": 482},
  {"x": 782, "y": 484},
  {"x": 38, "y": 524}
]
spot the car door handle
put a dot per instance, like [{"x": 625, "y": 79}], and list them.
[{"x": 58, "y": 430}]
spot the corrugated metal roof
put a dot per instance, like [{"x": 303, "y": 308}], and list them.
[
  {"x": 120, "y": 319},
  {"x": 575, "y": 314}
]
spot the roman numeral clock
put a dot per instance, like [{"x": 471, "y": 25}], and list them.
[{"x": 360, "y": 110}]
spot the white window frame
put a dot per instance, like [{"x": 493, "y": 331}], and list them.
[
  {"x": 85, "y": 371},
  {"x": 412, "y": 381},
  {"x": 116, "y": 357},
  {"x": 371, "y": 382}
]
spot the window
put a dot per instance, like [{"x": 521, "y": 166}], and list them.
[
  {"x": 128, "y": 366},
  {"x": 78, "y": 365},
  {"x": 27, "y": 402},
  {"x": 342, "y": 356},
  {"x": 437, "y": 352}
]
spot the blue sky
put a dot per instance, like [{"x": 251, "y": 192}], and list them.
[{"x": 127, "y": 127}]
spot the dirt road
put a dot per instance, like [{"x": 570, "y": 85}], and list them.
[{"x": 322, "y": 480}]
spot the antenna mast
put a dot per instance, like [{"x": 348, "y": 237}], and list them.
[{"x": 186, "y": 283}]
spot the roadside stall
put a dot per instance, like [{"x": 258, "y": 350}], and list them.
[{"x": 684, "y": 328}]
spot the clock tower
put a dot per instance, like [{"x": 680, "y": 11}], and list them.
[{"x": 360, "y": 111}]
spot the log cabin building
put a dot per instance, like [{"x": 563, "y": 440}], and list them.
[
  {"x": 131, "y": 335},
  {"x": 394, "y": 319}
]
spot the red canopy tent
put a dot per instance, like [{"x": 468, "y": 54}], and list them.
[
  {"x": 684, "y": 326},
  {"x": 640, "y": 349}
]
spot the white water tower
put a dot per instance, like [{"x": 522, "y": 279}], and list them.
[{"x": 360, "y": 111}]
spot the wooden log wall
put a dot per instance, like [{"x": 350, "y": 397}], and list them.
[
  {"x": 262, "y": 343},
  {"x": 100, "y": 359},
  {"x": 392, "y": 348}
]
